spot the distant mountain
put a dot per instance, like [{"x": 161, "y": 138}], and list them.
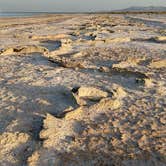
[{"x": 144, "y": 9}]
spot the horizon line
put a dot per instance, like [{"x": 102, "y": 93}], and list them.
[{"x": 83, "y": 11}]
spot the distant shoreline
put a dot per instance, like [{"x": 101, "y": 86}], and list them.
[
  {"x": 30, "y": 14},
  {"x": 112, "y": 12}
]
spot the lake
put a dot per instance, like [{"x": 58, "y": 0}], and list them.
[{"x": 21, "y": 14}]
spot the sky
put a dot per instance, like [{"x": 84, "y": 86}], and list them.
[{"x": 74, "y": 5}]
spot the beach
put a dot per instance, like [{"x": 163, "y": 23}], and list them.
[{"x": 83, "y": 90}]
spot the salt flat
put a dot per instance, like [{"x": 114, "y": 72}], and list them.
[{"x": 83, "y": 90}]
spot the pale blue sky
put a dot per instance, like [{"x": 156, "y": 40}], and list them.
[{"x": 74, "y": 5}]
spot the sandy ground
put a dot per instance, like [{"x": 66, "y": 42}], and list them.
[{"x": 83, "y": 90}]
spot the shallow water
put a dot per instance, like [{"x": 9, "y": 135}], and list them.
[{"x": 19, "y": 14}]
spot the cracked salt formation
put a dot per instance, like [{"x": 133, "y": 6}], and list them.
[{"x": 83, "y": 90}]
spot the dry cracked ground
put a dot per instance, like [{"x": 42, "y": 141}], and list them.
[{"x": 83, "y": 90}]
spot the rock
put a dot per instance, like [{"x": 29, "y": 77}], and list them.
[
  {"x": 86, "y": 96},
  {"x": 91, "y": 93}
]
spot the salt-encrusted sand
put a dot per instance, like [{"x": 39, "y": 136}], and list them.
[{"x": 83, "y": 90}]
